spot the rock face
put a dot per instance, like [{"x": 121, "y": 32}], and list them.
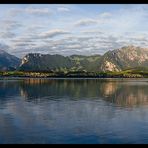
[
  {"x": 8, "y": 62},
  {"x": 116, "y": 60},
  {"x": 124, "y": 58},
  {"x": 109, "y": 66}
]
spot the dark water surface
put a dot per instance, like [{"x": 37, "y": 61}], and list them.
[{"x": 74, "y": 111}]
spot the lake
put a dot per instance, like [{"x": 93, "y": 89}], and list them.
[{"x": 74, "y": 111}]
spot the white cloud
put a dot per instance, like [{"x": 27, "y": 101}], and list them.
[
  {"x": 124, "y": 19},
  {"x": 36, "y": 11},
  {"x": 10, "y": 24},
  {"x": 77, "y": 46},
  {"x": 53, "y": 33},
  {"x": 105, "y": 15},
  {"x": 85, "y": 22},
  {"x": 14, "y": 12},
  {"x": 7, "y": 35},
  {"x": 29, "y": 10},
  {"x": 107, "y": 29},
  {"x": 63, "y": 9}
]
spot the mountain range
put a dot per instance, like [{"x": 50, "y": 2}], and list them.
[
  {"x": 8, "y": 62},
  {"x": 116, "y": 60}
]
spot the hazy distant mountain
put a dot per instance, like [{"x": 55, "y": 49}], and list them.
[{"x": 8, "y": 62}]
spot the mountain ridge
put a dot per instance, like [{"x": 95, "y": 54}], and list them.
[
  {"x": 123, "y": 58},
  {"x": 8, "y": 61},
  {"x": 116, "y": 60}
]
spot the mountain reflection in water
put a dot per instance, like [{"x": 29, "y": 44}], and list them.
[
  {"x": 124, "y": 93},
  {"x": 74, "y": 111}
]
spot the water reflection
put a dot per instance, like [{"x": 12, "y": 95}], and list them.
[
  {"x": 123, "y": 93},
  {"x": 73, "y": 111}
]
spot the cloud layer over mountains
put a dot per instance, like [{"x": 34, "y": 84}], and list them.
[{"x": 72, "y": 29}]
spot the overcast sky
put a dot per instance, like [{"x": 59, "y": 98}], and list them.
[{"x": 72, "y": 29}]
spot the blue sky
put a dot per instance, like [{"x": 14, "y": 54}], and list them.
[{"x": 66, "y": 29}]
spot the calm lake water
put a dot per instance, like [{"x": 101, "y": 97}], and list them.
[{"x": 74, "y": 111}]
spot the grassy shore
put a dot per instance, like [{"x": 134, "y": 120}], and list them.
[{"x": 77, "y": 74}]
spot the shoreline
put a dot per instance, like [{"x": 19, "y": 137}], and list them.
[
  {"x": 17, "y": 77},
  {"x": 74, "y": 75}
]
